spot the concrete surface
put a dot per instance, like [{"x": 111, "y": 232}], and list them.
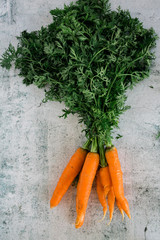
[{"x": 35, "y": 145}]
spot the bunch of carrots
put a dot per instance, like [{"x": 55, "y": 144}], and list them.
[
  {"x": 102, "y": 162},
  {"x": 87, "y": 58}
]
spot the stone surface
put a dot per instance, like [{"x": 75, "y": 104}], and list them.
[{"x": 35, "y": 145}]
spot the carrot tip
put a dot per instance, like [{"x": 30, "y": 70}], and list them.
[
  {"x": 122, "y": 215},
  {"x": 78, "y": 225},
  {"x": 104, "y": 214},
  {"x": 109, "y": 222},
  {"x": 51, "y": 206},
  {"x": 52, "y": 203},
  {"x": 129, "y": 215},
  {"x": 79, "y": 221}
]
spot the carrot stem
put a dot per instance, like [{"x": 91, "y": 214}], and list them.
[
  {"x": 103, "y": 160},
  {"x": 87, "y": 144},
  {"x": 109, "y": 144},
  {"x": 94, "y": 146}
]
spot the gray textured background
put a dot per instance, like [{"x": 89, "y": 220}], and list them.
[{"x": 35, "y": 145}]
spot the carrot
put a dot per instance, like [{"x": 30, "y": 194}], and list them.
[
  {"x": 117, "y": 178},
  {"x": 101, "y": 194},
  {"x": 104, "y": 170},
  {"x": 85, "y": 182},
  {"x": 111, "y": 200},
  {"x": 105, "y": 179},
  {"x": 70, "y": 172},
  {"x": 120, "y": 209}
]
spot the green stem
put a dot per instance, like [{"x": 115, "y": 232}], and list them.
[
  {"x": 109, "y": 144},
  {"x": 111, "y": 87},
  {"x": 94, "y": 147},
  {"x": 103, "y": 161},
  {"x": 135, "y": 60},
  {"x": 96, "y": 55},
  {"x": 87, "y": 144},
  {"x": 117, "y": 75}
]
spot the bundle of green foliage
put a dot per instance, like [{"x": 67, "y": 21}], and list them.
[{"x": 87, "y": 58}]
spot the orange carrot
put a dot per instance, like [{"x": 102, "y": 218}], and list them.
[
  {"x": 70, "y": 172},
  {"x": 117, "y": 178},
  {"x": 101, "y": 194},
  {"x": 104, "y": 170},
  {"x": 111, "y": 200},
  {"x": 105, "y": 179},
  {"x": 85, "y": 182},
  {"x": 120, "y": 209}
]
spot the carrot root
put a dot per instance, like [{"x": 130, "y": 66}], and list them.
[
  {"x": 104, "y": 214},
  {"x": 125, "y": 206},
  {"x": 68, "y": 175},
  {"x": 120, "y": 209},
  {"x": 122, "y": 215},
  {"x": 85, "y": 182},
  {"x": 111, "y": 201},
  {"x": 117, "y": 178},
  {"x": 79, "y": 221}
]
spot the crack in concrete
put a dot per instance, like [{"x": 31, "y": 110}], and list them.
[
  {"x": 40, "y": 104},
  {"x": 11, "y": 8},
  {"x": 145, "y": 230}
]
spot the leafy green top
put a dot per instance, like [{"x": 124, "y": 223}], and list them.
[{"x": 86, "y": 58}]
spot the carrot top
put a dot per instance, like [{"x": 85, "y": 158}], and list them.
[
  {"x": 103, "y": 161},
  {"x": 87, "y": 144},
  {"x": 94, "y": 146},
  {"x": 87, "y": 58}
]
